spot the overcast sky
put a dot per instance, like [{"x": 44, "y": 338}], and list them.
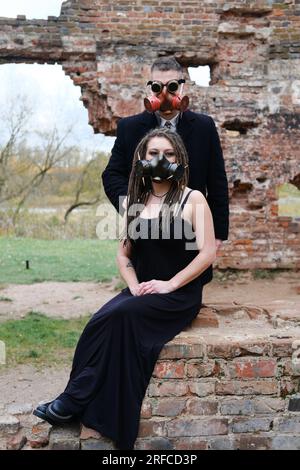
[
  {"x": 51, "y": 94},
  {"x": 30, "y": 8}
]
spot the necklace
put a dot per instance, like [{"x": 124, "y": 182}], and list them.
[{"x": 157, "y": 195}]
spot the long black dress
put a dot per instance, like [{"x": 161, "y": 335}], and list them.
[{"x": 117, "y": 351}]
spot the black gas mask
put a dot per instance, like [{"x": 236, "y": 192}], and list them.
[{"x": 159, "y": 168}]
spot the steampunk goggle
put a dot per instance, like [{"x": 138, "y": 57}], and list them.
[{"x": 172, "y": 85}]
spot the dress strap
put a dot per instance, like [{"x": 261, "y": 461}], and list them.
[{"x": 185, "y": 199}]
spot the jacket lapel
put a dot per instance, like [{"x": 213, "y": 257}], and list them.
[
  {"x": 185, "y": 124},
  {"x": 148, "y": 121}
]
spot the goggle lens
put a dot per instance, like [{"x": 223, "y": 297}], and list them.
[
  {"x": 156, "y": 87},
  {"x": 172, "y": 86}
]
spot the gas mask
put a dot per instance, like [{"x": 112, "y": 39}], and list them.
[
  {"x": 159, "y": 168},
  {"x": 157, "y": 101}
]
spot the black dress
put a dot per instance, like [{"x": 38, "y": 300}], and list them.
[{"x": 117, "y": 351}]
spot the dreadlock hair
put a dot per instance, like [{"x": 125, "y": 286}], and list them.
[{"x": 139, "y": 187}]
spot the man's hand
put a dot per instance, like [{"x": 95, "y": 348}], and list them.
[
  {"x": 218, "y": 243},
  {"x": 155, "y": 287}
]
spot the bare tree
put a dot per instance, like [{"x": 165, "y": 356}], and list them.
[
  {"x": 54, "y": 151},
  {"x": 91, "y": 170},
  {"x": 23, "y": 169},
  {"x": 14, "y": 121}
]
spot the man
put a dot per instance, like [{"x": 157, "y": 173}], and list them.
[{"x": 200, "y": 136}]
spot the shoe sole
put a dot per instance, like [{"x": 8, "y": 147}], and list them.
[{"x": 44, "y": 417}]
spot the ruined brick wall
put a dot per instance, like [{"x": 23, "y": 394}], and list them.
[
  {"x": 253, "y": 50},
  {"x": 219, "y": 394}
]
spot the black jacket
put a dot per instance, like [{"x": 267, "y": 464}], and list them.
[{"x": 206, "y": 163}]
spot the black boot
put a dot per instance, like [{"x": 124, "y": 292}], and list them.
[
  {"x": 57, "y": 413},
  {"x": 40, "y": 411}
]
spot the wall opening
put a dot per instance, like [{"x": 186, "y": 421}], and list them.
[
  {"x": 50, "y": 159},
  {"x": 200, "y": 75},
  {"x": 289, "y": 200},
  {"x": 54, "y": 101},
  {"x": 238, "y": 125},
  {"x": 31, "y": 8}
]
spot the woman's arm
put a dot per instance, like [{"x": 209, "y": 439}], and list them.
[
  {"x": 205, "y": 239},
  {"x": 124, "y": 263},
  {"x": 126, "y": 268}
]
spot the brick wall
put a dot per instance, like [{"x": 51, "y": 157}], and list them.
[
  {"x": 253, "y": 50},
  {"x": 204, "y": 394}
]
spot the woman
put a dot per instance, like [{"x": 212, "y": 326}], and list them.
[{"x": 164, "y": 248}]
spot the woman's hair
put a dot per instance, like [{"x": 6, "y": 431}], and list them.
[{"x": 139, "y": 187}]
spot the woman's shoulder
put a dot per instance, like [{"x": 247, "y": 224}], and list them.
[{"x": 195, "y": 195}]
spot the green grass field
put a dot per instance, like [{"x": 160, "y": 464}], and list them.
[
  {"x": 56, "y": 260},
  {"x": 40, "y": 340}
]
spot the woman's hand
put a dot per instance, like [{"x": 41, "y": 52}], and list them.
[
  {"x": 155, "y": 287},
  {"x": 135, "y": 289}
]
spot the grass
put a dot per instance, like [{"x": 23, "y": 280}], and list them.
[
  {"x": 41, "y": 340},
  {"x": 265, "y": 273},
  {"x": 56, "y": 260},
  {"x": 5, "y": 299}
]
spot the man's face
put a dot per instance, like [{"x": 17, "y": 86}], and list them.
[{"x": 166, "y": 112}]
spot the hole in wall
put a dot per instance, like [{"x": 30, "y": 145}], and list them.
[
  {"x": 238, "y": 125},
  {"x": 289, "y": 200},
  {"x": 241, "y": 188},
  {"x": 52, "y": 160},
  {"x": 54, "y": 101},
  {"x": 201, "y": 75},
  {"x": 296, "y": 181},
  {"x": 32, "y": 9},
  {"x": 261, "y": 178}
]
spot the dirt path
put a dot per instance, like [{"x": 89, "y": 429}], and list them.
[{"x": 73, "y": 299}]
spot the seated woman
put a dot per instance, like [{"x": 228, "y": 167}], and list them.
[{"x": 167, "y": 243}]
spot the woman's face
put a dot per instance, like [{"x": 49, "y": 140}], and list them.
[{"x": 160, "y": 145}]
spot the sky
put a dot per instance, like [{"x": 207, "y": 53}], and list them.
[
  {"x": 31, "y": 8},
  {"x": 51, "y": 94}
]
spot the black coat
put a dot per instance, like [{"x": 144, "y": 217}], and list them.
[{"x": 206, "y": 163}]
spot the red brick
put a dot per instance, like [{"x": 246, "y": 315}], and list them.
[
  {"x": 189, "y": 443},
  {"x": 253, "y": 442},
  {"x": 169, "y": 388},
  {"x": 169, "y": 406},
  {"x": 151, "y": 428},
  {"x": 252, "y": 368},
  {"x": 207, "y": 318},
  {"x": 197, "y": 427},
  {"x": 179, "y": 349},
  {"x": 282, "y": 347},
  {"x": 249, "y": 387},
  {"x": 17, "y": 441},
  {"x": 146, "y": 410},
  {"x": 169, "y": 369},
  {"x": 201, "y": 368},
  {"x": 198, "y": 406}
]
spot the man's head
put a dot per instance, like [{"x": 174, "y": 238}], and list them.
[{"x": 165, "y": 70}]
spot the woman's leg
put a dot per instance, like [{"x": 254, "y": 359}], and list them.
[
  {"x": 115, "y": 358},
  {"x": 91, "y": 354}
]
